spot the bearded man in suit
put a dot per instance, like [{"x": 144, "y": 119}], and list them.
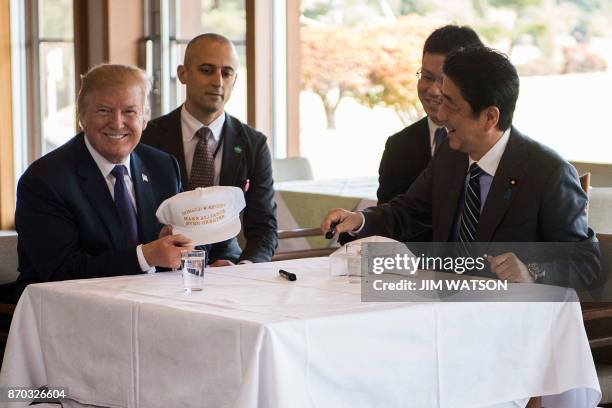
[{"x": 214, "y": 148}]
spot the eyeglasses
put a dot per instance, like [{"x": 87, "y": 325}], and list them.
[{"x": 428, "y": 78}]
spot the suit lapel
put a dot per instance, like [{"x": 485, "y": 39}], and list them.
[
  {"x": 145, "y": 200},
  {"x": 449, "y": 191},
  {"x": 233, "y": 150},
  {"x": 96, "y": 190},
  {"x": 508, "y": 179},
  {"x": 171, "y": 141}
]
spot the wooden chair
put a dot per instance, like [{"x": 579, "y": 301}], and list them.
[
  {"x": 8, "y": 275},
  {"x": 597, "y": 318},
  {"x": 585, "y": 183},
  {"x": 304, "y": 253}
]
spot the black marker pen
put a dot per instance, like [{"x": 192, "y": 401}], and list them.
[
  {"x": 332, "y": 230},
  {"x": 287, "y": 275}
]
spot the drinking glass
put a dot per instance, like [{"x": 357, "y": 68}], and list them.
[{"x": 193, "y": 263}]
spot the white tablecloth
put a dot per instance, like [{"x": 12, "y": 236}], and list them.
[{"x": 253, "y": 339}]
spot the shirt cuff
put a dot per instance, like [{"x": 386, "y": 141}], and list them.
[
  {"x": 354, "y": 233},
  {"x": 144, "y": 266},
  {"x": 245, "y": 261}
]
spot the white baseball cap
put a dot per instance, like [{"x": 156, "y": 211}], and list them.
[{"x": 205, "y": 215}]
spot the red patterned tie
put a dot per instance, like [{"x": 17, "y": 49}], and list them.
[{"x": 203, "y": 165}]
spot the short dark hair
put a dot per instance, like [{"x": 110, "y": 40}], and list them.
[
  {"x": 449, "y": 38},
  {"x": 485, "y": 77}
]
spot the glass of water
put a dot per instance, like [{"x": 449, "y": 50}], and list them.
[
  {"x": 193, "y": 263},
  {"x": 347, "y": 261}
]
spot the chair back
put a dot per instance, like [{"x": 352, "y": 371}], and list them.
[
  {"x": 291, "y": 168},
  {"x": 304, "y": 253},
  {"x": 585, "y": 182},
  {"x": 8, "y": 256}
]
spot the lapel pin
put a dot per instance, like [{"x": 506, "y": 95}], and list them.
[
  {"x": 508, "y": 194},
  {"x": 247, "y": 185},
  {"x": 145, "y": 178},
  {"x": 238, "y": 149}
]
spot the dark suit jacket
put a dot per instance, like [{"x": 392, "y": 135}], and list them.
[
  {"x": 544, "y": 204},
  {"x": 406, "y": 155},
  {"x": 245, "y": 157},
  {"x": 67, "y": 223}
]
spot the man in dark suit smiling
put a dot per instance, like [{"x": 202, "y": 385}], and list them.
[
  {"x": 214, "y": 148},
  {"x": 408, "y": 152},
  {"x": 87, "y": 209},
  {"x": 487, "y": 182}
]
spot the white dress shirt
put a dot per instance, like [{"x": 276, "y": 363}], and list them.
[
  {"x": 105, "y": 168},
  {"x": 189, "y": 126},
  {"x": 488, "y": 163}
]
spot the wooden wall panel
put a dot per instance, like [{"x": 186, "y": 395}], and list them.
[
  {"x": 125, "y": 28},
  {"x": 293, "y": 78},
  {"x": 7, "y": 183}
]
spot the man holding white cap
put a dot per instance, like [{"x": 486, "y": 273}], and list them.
[
  {"x": 204, "y": 215},
  {"x": 86, "y": 209},
  {"x": 215, "y": 149}
]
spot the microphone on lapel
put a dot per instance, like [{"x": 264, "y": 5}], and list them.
[
  {"x": 145, "y": 178},
  {"x": 512, "y": 184}
]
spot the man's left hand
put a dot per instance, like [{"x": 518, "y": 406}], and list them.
[
  {"x": 508, "y": 267},
  {"x": 222, "y": 262}
]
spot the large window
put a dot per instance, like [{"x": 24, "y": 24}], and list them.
[
  {"x": 359, "y": 59},
  {"x": 53, "y": 47},
  {"x": 180, "y": 22}
]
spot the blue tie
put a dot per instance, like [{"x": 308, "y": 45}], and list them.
[
  {"x": 471, "y": 210},
  {"x": 439, "y": 137},
  {"x": 124, "y": 205}
]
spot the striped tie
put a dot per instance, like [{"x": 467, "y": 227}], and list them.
[
  {"x": 203, "y": 166},
  {"x": 471, "y": 210}
]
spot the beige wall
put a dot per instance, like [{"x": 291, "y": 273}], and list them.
[{"x": 125, "y": 28}]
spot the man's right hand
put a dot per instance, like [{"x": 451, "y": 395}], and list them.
[
  {"x": 165, "y": 231},
  {"x": 345, "y": 221},
  {"x": 166, "y": 251}
]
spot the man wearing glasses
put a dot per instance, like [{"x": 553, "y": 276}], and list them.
[
  {"x": 489, "y": 183},
  {"x": 408, "y": 152}
]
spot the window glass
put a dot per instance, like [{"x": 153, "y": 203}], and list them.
[
  {"x": 228, "y": 18},
  {"x": 55, "y": 19},
  {"x": 359, "y": 59},
  {"x": 56, "y": 73}
]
